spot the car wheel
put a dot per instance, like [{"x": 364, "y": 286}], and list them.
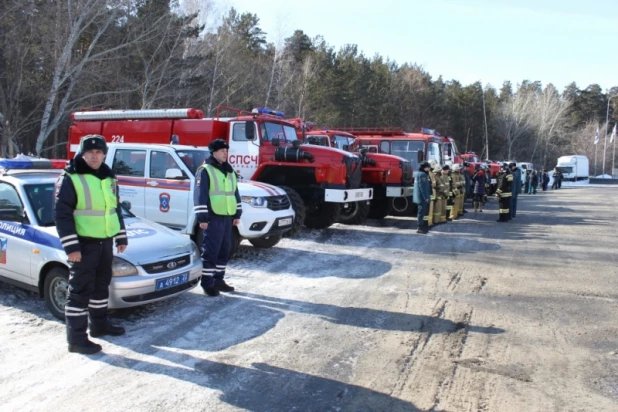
[{"x": 55, "y": 291}]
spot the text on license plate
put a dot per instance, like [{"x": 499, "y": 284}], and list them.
[
  {"x": 359, "y": 195},
  {"x": 285, "y": 222},
  {"x": 172, "y": 281}
]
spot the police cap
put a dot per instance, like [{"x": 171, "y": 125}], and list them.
[{"x": 218, "y": 144}]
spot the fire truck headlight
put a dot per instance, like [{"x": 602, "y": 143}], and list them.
[{"x": 254, "y": 201}]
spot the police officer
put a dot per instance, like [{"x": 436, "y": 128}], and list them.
[
  {"x": 422, "y": 197},
  {"x": 88, "y": 218},
  {"x": 217, "y": 209},
  {"x": 504, "y": 194}
]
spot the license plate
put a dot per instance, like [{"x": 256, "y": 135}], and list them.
[
  {"x": 285, "y": 222},
  {"x": 172, "y": 281},
  {"x": 494, "y": 181},
  {"x": 359, "y": 195}
]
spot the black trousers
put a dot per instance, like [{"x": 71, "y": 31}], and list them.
[
  {"x": 89, "y": 288},
  {"x": 504, "y": 204},
  {"x": 216, "y": 248}
]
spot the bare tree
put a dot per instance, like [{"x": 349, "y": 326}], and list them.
[
  {"x": 87, "y": 23},
  {"x": 549, "y": 118},
  {"x": 514, "y": 119}
]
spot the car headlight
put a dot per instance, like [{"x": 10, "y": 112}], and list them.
[
  {"x": 254, "y": 201},
  {"x": 196, "y": 253},
  {"x": 121, "y": 267}
]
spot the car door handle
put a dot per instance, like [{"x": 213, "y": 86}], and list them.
[{"x": 153, "y": 183}]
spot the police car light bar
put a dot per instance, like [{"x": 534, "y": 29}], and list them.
[
  {"x": 265, "y": 110},
  {"x": 25, "y": 163},
  {"x": 138, "y": 114}
]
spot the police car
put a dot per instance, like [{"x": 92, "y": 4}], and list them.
[{"x": 157, "y": 264}]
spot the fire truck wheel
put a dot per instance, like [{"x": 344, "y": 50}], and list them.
[
  {"x": 266, "y": 241},
  {"x": 379, "y": 209},
  {"x": 354, "y": 213},
  {"x": 299, "y": 209},
  {"x": 323, "y": 215}
]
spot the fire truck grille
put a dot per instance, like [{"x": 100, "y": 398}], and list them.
[
  {"x": 278, "y": 202},
  {"x": 166, "y": 265}
]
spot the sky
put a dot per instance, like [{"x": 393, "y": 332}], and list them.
[{"x": 552, "y": 41}]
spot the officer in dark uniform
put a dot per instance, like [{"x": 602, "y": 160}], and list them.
[
  {"x": 88, "y": 218},
  {"x": 422, "y": 197},
  {"x": 217, "y": 209},
  {"x": 504, "y": 193}
]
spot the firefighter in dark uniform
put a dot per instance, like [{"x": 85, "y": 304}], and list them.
[
  {"x": 88, "y": 218},
  {"x": 504, "y": 194},
  {"x": 422, "y": 197},
  {"x": 217, "y": 209}
]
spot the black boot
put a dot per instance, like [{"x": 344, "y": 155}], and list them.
[
  {"x": 213, "y": 291},
  {"x": 224, "y": 287},
  {"x": 85, "y": 348},
  {"x": 105, "y": 329}
]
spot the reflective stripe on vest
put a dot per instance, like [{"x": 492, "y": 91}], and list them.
[
  {"x": 95, "y": 214},
  {"x": 222, "y": 191}
]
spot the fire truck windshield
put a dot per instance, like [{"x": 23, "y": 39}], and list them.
[
  {"x": 193, "y": 158},
  {"x": 270, "y": 130},
  {"x": 408, "y": 149},
  {"x": 343, "y": 142}
]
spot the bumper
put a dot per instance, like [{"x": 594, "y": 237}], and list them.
[
  {"x": 347, "y": 195},
  {"x": 258, "y": 222},
  {"x": 140, "y": 289},
  {"x": 399, "y": 191}
]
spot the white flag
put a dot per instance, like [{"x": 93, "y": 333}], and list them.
[
  {"x": 613, "y": 133},
  {"x": 596, "y": 136}
]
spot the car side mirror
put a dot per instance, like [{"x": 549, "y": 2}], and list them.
[
  {"x": 126, "y": 204},
  {"x": 249, "y": 130},
  {"x": 174, "y": 173}
]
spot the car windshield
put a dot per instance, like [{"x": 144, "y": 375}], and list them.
[
  {"x": 408, "y": 149},
  {"x": 193, "y": 158},
  {"x": 42, "y": 197}
]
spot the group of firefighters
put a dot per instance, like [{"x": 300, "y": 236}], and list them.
[{"x": 440, "y": 193}]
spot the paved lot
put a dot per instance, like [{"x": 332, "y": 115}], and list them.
[{"x": 476, "y": 315}]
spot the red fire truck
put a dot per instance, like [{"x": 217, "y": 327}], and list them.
[
  {"x": 390, "y": 176},
  {"x": 263, "y": 147},
  {"x": 415, "y": 147},
  {"x": 493, "y": 169}
]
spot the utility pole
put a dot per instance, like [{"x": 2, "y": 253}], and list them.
[
  {"x": 605, "y": 141},
  {"x": 467, "y": 136}
]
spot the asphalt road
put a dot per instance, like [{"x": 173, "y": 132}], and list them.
[{"x": 475, "y": 316}]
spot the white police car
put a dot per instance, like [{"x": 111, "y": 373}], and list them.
[{"x": 157, "y": 264}]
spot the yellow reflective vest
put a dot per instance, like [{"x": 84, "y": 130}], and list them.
[
  {"x": 222, "y": 191},
  {"x": 96, "y": 212}
]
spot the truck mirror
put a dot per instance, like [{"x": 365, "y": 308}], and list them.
[
  {"x": 420, "y": 156},
  {"x": 275, "y": 141},
  {"x": 346, "y": 147},
  {"x": 126, "y": 204},
  {"x": 173, "y": 173},
  {"x": 249, "y": 130}
]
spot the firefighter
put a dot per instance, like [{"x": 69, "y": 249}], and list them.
[
  {"x": 450, "y": 201},
  {"x": 459, "y": 188},
  {"x": 422, "y": 197},
  {"x": 444, "y": 193},
  {"x": 437, "y": 205},
  {"x": 88, "y": 218},
  {"x": 504, "y": 193},
  {"x": 432, "y": 202},
  {"x": 217, "y": 209}
]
